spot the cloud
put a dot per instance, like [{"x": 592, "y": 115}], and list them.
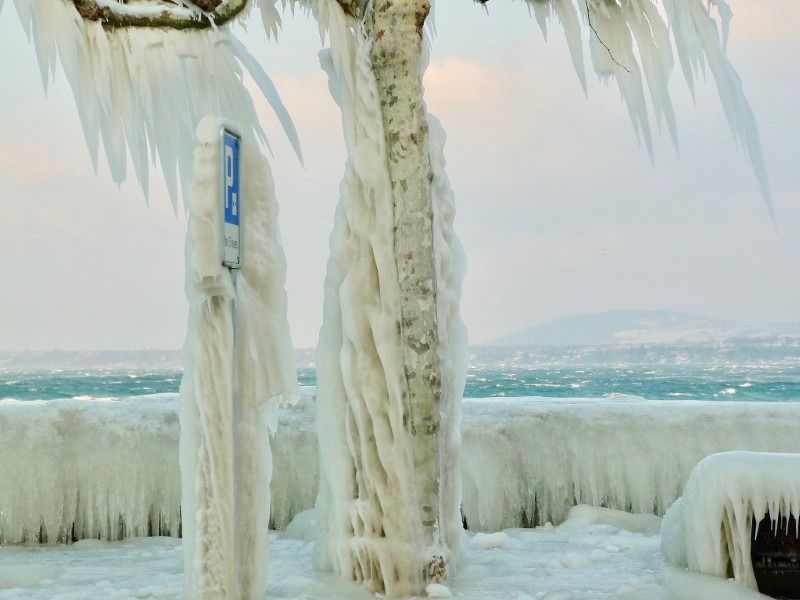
[
  {"x": 29, "y": 163},
  {"x": 9, "y": 214},
  {"x": 768, "y": 20}
]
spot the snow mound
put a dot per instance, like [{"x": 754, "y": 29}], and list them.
[
  {"x": 487, "y": 541},
  {"x": 437, "y": 590},
  {"x": 709, "y": 529}
]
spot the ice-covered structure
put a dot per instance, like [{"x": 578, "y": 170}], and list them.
[
  {"x": 73, "y": 469},
  {"x": 392, "y": 355},
  {"x": 238, "y": 366},
  {"x": 710, "y": 528},
  {"x": 148, "y": 93},
  {"x": 111, "y": 468},
  {"x": 391, "y": 352}
]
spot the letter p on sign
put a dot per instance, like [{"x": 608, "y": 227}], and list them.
[{"x": 230, "y": 143}]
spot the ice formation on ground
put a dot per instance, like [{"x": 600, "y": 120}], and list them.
[
  {"x": 523, "y": 462},
  {"x": 238, "y": 364},
  {"x": 590, "y": 556},
  {"x": 709, "y": 529}
]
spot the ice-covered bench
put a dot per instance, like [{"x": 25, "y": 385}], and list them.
[{"x": 710, "y": 528}]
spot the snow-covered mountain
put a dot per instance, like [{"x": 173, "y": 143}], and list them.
[{"x": 641, "y": 327}]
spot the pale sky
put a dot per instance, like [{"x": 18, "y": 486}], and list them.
[{"x": 559, "y": 210}]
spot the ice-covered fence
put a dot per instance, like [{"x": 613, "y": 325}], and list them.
[
  {"x": 109, "y": 469},
  {"x": 75, "y": 469},
  {"x": 529, "y": 461}
]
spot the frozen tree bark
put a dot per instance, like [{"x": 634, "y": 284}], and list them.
[
  {"x": 395, "y": 27},
  {"x": 388, "y": 419}
]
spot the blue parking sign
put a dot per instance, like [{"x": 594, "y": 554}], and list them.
[{"x": 230, "y": 143}]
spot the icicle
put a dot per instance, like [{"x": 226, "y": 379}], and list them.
[
  {"x": 267, "y": 88},
  {"x": 652, "y": 40},
  {"x": 568, "y": 17},
  {"x": 542, "y": 12},
  {"x": 626, "y": 31},
  {"x": 270, "y": 17},
  {"x": 612, "y": 54},
  {"x": 725, "y": 14},
  {"x": 142, "y": 90},
  {"x": 710, "y": 527},
  {"x": 740, "y": 116}
]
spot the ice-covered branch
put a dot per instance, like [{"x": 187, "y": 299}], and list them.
[
  {"x": 143, "y": 90},
  {"x": 160, "y": 13},
  {"x": 632, "y": 41}
]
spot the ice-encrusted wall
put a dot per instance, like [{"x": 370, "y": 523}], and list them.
[{"x": 523, "y": 462}]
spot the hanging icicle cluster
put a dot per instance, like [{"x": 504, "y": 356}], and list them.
[
  {"x": 629, "y": 41},
  {"x": 142, "y": 91}
]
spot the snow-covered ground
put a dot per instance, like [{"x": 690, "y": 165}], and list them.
[{"x": 596, "y": 553}]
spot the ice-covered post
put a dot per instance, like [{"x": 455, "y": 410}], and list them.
[{"x": 238, "y": 362}]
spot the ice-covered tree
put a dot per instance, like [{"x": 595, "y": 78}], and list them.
[
  {"x": 392, "y": 353},
  {"x": 392, "y": 357}
]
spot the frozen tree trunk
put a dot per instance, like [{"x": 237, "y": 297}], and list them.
[
  {"x": 395, "y": 28},
  {"x": 392, "y": 353}
]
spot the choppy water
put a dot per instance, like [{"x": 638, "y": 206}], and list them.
[{"x": 771, "y": 383}]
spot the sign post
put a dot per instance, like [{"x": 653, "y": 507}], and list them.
[{"x": 230, "y": 145}]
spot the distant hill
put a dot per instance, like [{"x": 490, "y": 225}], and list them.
[
  {"x": 641, "y": 327},
  {"x": 171, "y": 360}
]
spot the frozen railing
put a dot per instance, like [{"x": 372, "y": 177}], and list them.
[{"x": 73, "y": 469}]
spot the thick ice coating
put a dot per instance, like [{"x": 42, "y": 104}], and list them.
[
  {"x": 369, "y": 504},
  {"x": 238, "y": 364},
  {"x": 110, "y": 468},
  {"x": 709, "y": 529}
]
